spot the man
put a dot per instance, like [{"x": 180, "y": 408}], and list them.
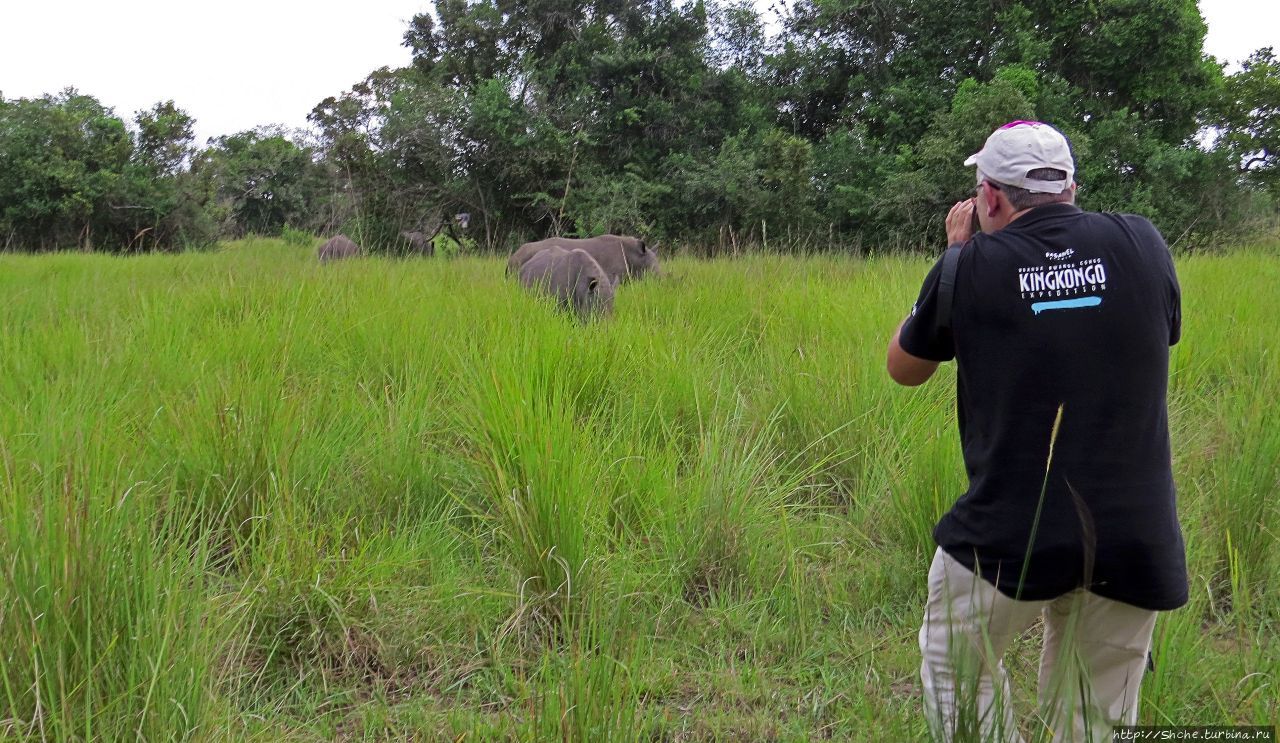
[{"x": 1060, "y": 322}]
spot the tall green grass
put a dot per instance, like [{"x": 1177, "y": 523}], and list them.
[{"x": 246, "y": 496}]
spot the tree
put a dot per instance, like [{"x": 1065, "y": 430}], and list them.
[
  {"x": 757, "y": 183},
  {"x": 567, "y": 112},
  {"x": 71, "y": 173},
  {"x": 262, "y": 181},
  {"x": 1143, "y": 56},
  {"x": 164, "y": 138},
  {"x": 1248, "y": 119},
  {"x": 62, "y": 166},
  {"x": 930, "y": 176}
]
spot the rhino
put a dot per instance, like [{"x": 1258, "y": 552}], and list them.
[
  {"x": 338, "y": 246},
  {"x": 621, "y": 257},
  {"x": 419, "y": 243},
  {"x": 571, "y": 276}
]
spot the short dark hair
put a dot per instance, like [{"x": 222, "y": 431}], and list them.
[{"x": 1021, "y": 198}]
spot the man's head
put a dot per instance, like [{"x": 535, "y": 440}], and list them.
[{"x": 1023, "y": 164}]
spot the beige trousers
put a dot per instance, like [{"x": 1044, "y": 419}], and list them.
[{"x": 1095, "y": 652}]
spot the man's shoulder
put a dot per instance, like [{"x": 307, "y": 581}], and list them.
[{"x": 1138, "y": 226}]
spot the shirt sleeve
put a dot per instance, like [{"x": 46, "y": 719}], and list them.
[
  {"x": 920, "y": 335},
  {"x": 1175, "y": 306},
  {"x": 1174, "y": 299},
  {"x": 1148, "y": 231}
]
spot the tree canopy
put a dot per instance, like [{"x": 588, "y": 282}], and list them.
[{"x": 688, "y": 121}]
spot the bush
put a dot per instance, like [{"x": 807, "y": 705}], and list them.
[{"x": 297, "y": 238}]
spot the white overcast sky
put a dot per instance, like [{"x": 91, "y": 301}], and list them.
[{"x": 237, "y": 64}]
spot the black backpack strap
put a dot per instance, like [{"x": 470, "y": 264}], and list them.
[{"x": 947, "y": 284}]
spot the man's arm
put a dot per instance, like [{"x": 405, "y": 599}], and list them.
[{"x": 906, "y": 369}]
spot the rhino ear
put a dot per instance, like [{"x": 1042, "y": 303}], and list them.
[
  {"x": 643, "y": 248},
  {"x": 593, "y": 284}
]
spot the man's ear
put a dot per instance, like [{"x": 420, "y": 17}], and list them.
[{"x": 993, "y": 198}]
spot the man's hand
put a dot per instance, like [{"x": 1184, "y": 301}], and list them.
[{"x": 960, "y": 221}]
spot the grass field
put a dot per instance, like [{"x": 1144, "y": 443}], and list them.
[{"x": 245, "y": 496}]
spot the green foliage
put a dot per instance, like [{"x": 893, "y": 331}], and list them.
[
  {"x": 164, "y": 138},
  {"x": 616, "y": 202},
  {"x": 756, "y": 178},
  {"x": 688, "y": 122},
  {"x": 849, "y": 170},
  {"x": 929, "y": 176},
  {"x": 1248, "y": 118},
  {"x": 297, "y": 238},
  {"x": 566, "y": 116},
  {"x": 261, "y": 181},
  {"x": 918, "y": 87},
  {"x": 446, "y": 246},
  {"x": 72, "y": 174}
]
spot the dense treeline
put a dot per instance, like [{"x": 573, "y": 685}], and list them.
[{"x": 690, "y": 122}]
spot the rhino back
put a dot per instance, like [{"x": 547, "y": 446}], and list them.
[
  {"x": 338, "y": 246},
  {"x": 616, "y": 254},
  {"x": 571, "y": 276},
  {"x": 591, "y": 286},
  {"x": 525, "y": 252},
  {"x": 418, "y": 243},
  {"x": 622, "y": 257},
  {"x": 539, "y": 268}
]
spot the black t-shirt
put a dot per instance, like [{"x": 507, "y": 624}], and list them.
[{"x": 1073, "y": 310}]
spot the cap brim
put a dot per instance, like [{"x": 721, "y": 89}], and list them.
[{"x": 973, "y": 159}]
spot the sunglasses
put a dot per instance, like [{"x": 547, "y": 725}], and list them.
[{"x": 978, "y": 188}]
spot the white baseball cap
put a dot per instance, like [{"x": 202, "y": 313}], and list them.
[{"x": 1019, "y": 147}]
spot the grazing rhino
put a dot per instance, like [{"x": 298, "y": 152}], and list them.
[
  {"x": 622, "y": 257},
  {"x": 571, "y": 276},
  {"x": 338, "y": 246},
  {"x": 419, "y": 243}
]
